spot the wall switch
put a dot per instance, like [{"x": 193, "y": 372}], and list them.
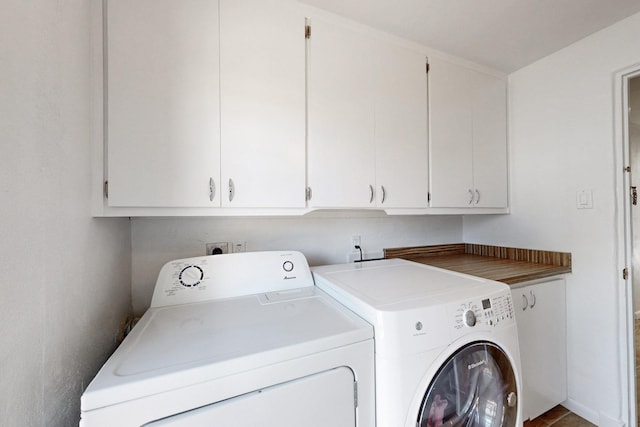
[
  {"x": 584, "y": 199},
  {"x": 217, "y": 248}
]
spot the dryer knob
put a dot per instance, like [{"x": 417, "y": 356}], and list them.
[{"x": 469, "y": 318}]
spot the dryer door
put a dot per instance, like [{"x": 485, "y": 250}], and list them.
[{"x": 476, "y": 387}]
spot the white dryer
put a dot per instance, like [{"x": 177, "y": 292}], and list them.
[
  {"x": 446, "y": 343},
  {"x": 238, "y": 340}
]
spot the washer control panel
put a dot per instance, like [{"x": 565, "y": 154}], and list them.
[{"x": 488, "y": 312}]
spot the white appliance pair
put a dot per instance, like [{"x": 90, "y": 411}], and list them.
[{"x": 247, "y": 339}]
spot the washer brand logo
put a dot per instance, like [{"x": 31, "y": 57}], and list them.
[
  {"x": 475, "y": 365},
  {"x": 289, "y": 277}
]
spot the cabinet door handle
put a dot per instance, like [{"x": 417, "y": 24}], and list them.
[
  {"x": 470, "y": 196},
  {"x": 533, "y": 299},
  {"x": 232, "y": 189},
  {"x": 384, "y": 194},
  {"x": 477, "y": 196},
  {"x": 371, "y": 193},
  {"x": 525, "y": 302},
  {"x": 212, "y": 189}
]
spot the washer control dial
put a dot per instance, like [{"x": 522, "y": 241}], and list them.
[
  {"x": 191, "y": 276},
  {"x": 469, "y": 318}
]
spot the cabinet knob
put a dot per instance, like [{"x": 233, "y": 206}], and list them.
[
  {"x": 477, "y": 196},
  {"x": 212, "y": 189},
  {"x": 384, "y": 194},
  {"x": 232, "y": 189},
  {"x": 371, "y": 193},
  {"x": 525, "y": 302},
  {"x": 470, "y": 196},
  {"x": 533, "y": 299}
]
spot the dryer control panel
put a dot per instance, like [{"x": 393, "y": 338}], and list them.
[
  {"x": 491, "y": 312},
  {"x": 214, "y": 277}
]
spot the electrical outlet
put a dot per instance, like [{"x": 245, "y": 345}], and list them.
[
  {"x": 355, "y": 241},
  {"x": 239, "y": 247},
  {"x": 217, "y": 248}
]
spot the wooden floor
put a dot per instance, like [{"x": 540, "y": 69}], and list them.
[{"x": 558, "y": 417}]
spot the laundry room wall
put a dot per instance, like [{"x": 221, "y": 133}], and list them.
[
  {"x": 64, "y": 276},
  {"x": 324, "y": 238},
  {"x": 562, "y": 141}
]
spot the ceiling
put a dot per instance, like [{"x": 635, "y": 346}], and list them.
[{"x": 502, "y": 34}]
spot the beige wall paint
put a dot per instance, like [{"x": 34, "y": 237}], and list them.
[{"x": 64, "y": 276}]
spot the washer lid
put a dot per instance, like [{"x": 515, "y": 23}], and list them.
[
  {"x": 173, "y": 347},
  {"x": 398, "y": 285}
]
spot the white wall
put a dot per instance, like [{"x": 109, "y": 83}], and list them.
[
  {"x": 64, "y": 277},
  {"x": 324, "y": 238},
  {"x": 562, "y": 140}
]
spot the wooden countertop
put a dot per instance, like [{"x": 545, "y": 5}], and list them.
[{"x": 508, "y": 265}]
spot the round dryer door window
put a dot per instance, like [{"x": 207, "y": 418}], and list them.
[{"x": 475, "y": 387}]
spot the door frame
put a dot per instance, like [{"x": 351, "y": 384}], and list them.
[{"x": 624, "y": 241}]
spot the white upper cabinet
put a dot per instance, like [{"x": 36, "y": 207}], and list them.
[
  {"x": 401, "y": 127},
  {"x": 205, "y": 110},
  {"x": 162, "y": 117},
  {"x": 468, "y": 137},
  {"x": 367, "y": 120},
  {"x": 341, "y": 158},
  {"x": 262, "y": 101}
]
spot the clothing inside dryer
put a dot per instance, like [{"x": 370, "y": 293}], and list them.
[{"x": 476, "y": 387}]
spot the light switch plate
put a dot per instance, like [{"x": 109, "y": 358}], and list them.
[{"x": 584, "y": 199}]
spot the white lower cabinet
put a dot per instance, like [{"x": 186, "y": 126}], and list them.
[{"x": 542, "y": 332}]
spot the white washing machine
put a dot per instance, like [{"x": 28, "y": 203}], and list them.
[
  {"x": 446, "y": 344},
  {"x": 238, "y": 340}
]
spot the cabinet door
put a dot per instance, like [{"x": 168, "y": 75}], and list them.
[
  {"x": 490, "y": 141},
  {"x": 401, "y": 127},
  {"x": 340, "y": 117},
  {"x": 451, "y": 135},
  {"x": 262, "y": 98},
  {"x": 541, "y": 318},
  {"x": 162, "y": 121}
]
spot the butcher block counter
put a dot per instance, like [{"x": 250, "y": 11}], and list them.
[{"x": 508, "y": 265}]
